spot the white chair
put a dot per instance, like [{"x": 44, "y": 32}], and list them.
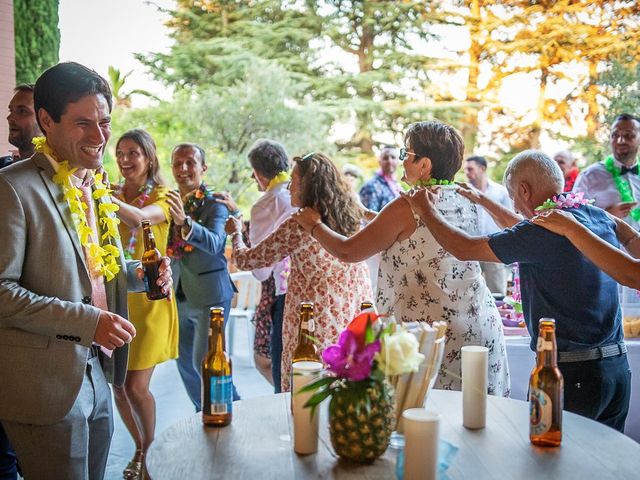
[{"x": 247, "y": 300}]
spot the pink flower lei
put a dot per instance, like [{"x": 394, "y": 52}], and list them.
[{"x": 564, "y": 200}]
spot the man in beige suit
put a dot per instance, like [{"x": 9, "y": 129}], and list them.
[{"x": 63, "y": 327}]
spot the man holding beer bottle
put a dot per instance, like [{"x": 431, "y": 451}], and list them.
[
  {"x": 63, "y": 285},
  {"x": 557, "y": 281}
]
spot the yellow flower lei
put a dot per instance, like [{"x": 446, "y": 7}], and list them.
[
  {"x": 279, "y": 178},
  {"x": 103, "y": 260}
]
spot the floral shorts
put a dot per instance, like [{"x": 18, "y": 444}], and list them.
[{"x": 262, "y": 319}]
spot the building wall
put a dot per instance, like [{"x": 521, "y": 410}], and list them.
[{"x": 7, "y": 69}]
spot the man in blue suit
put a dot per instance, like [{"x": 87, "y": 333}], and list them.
[{"x": 196, "y": 246}]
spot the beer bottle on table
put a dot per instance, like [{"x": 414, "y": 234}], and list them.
[
  {"x": 217, "y": 396},
  {"x": 306, "y": 350},
  {"x": 151, "y": 260},
  {"x": 546, "y": 390}
]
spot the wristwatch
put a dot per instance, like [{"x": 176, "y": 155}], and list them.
[{"x": 186, "y": 228}]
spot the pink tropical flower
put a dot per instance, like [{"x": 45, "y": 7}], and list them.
[{"x": 350, "y": 359}]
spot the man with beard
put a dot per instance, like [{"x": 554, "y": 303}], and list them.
[
  {"x": 614, "y": 183},
  {"x": 22, "y": 124}
]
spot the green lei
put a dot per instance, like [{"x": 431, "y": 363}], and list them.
[
  {"x": 432, "y": 182},
  {"x": 623, "y": 186}
]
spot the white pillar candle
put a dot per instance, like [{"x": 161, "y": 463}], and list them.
[
  {"x": 475, "y": 371},
  {"x": 421, "y": 434},
  {"x": 305, "y": 427}
]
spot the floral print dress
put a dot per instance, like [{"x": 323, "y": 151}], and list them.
[
  {"x": 420, "y": 281},
  {"x": 337, "y": 289}
]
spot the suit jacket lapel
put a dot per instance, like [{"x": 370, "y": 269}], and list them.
[{"x": 47, "y": 172}]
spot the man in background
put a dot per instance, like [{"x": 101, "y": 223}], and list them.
[
  {"x": 495, "y": 274},
  {"x": 614, "y": 183},
  {"x": 196, "y": 247},
  {"x": 23, "y": 125},
  {"x": 567, "y": 163},
  {"x": 383, "y": 187}
]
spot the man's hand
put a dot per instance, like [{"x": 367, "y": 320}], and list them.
[
  {"x": 233, "y": 225},
  {"x": 469, "y": 191},
  {"x": 307, "y": 218},
  {"x": 176, "y": 208},
  {"x": 165, "y": 280},
  {"x": 227, "y": 200},
  {"x": 113, "y": 331},
  {"x": 621, "y": 210},
  {"x": 556, "y": 221},
  {"x": 422, "y": 200}
]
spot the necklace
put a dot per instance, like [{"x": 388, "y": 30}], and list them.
[
  {"x": 623, "y": 186},
  {"x": 279, "y": 178},
  {"x": 433, "y": 182},
  {"x": 564, "y": 200},
  {"x": 139, "y": 201},
  {"x": 102, "y": 260}
]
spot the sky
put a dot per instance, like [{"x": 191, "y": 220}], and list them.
[{"x": 99, "y": 33}]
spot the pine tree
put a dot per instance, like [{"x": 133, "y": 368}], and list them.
[{"x": 37, "y": 37}]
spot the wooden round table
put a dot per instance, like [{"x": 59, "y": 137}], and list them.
[{"x": 258, "y": 445}]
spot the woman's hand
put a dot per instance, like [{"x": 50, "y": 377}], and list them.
[
  {"x": 422, "y": 200},
  {"x": 233, "y": 225},
  {"x": 556, "y": 221},
  {"x": 176, "y": 207},
  {"x": 307, "y": 218},
  {"x": 469, "y": 191},
  {"x": 227, "y": 200}
]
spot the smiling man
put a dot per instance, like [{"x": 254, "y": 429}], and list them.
[
  {"x": 63, "y": 286},
  {"x": 23, "y": 125},
  {"x": 196, "y": 245},
  {"x": 614, "y": 183}
]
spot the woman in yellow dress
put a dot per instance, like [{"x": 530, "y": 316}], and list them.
[{"x": 141, "y": 196}]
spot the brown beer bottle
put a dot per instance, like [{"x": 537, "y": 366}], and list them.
[
  {"x": 546, "y": 390},
  {"x": 217, "y": 396},
  {"x": 306, "y": 350},
  {"x": 151, "y": 260}
]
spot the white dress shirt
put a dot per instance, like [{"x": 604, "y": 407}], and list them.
[
  {"x": 498, "y": 194},
  {"x": 597, "y": 184},
  {"x": 273, "y": 208}
]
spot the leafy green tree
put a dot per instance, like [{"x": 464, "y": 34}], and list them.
[
  {"x": 226, "y": 121},
  {"x": 122, "y": 97},
  {"x": 37, "y": 37}
]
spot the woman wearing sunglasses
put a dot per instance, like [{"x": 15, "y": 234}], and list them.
[{"x": 418, "y": 280}]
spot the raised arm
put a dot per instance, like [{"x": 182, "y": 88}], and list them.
[
  {"x": 132, "y": 216},
  {"x": 614, "y": 262},
  {"x": 503, "y": 216},
  {"x": 455, "y": 241},
  {"x": 395, "y": 222}
]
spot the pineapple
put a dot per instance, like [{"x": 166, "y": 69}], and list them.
[{"x": 361, "y": 419}]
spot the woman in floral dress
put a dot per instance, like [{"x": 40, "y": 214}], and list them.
[
  {"x": 337, "y": 289},
  {"x": 419, "y": 280},
  {"x": 143, "y": 195}
]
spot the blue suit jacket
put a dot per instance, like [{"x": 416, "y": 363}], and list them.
[{"x": 202, "y": 273}]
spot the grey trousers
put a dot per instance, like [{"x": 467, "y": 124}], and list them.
[{"x": 77, "y": 446}]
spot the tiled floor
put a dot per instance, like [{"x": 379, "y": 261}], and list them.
[{"x": 173, "y": 404}]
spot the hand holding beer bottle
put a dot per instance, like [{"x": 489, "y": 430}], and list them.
[{"x": 151, "y": 260}]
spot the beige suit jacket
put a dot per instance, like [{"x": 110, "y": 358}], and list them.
[{"x": 47, "y": 322}]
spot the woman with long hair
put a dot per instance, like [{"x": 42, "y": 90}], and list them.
[
  {"x": 337, "y": 289},
  {"x": 143, "y": 195},
  {"x": 418, "y": 280}
]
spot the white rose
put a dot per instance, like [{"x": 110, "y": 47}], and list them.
[{"x": 399, "y": 353}]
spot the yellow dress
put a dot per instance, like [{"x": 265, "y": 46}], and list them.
[{"x": 156, "y": 321}]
